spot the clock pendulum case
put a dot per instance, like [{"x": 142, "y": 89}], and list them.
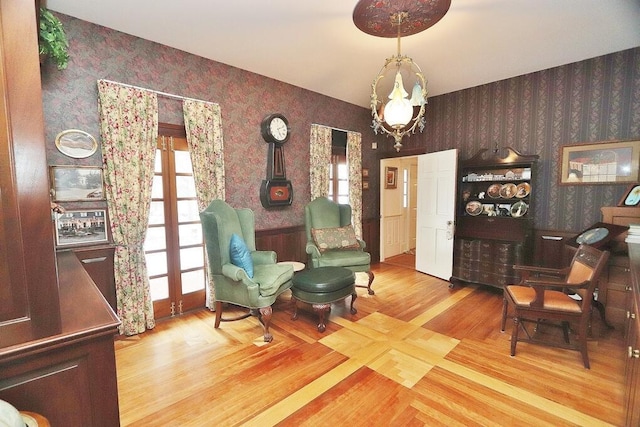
[{"x": 276, "y": 190}]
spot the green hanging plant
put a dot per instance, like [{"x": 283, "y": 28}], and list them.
[{"x": 52, "y": 40}]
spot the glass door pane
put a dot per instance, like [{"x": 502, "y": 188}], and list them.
[{"x": 174, "y": 245}]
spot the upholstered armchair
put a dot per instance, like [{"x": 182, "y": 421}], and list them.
[
  {"x": 241, "y": 275},
  {"x": 331, "y": 241}
]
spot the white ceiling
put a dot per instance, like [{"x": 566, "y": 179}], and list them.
[{"x": 315, "y": 44}]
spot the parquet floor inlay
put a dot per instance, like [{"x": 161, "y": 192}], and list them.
[
  {"x": 415, "y": 353},
  {"x": 401, "y": 351}
]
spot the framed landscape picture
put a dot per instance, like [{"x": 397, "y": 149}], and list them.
[
  {"x": 76, "y": 143},
  {"x": 76, "y": 183}
]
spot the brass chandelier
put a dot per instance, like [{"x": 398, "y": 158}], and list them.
[{"x": 401, "y": 114}]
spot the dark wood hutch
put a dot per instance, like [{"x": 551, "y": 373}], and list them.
[
  {"x": 494, "y": 218},
  {"x": 56, "y": 329}
]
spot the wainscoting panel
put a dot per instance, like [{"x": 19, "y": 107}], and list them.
[{"x": 289, "y": 243}]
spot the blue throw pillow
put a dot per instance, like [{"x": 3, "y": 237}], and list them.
[{"x": 240, "y": 255}]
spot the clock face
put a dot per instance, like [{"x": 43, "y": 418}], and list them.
[
  {"x": 278, "y": 129},
  {"x": 275, "y": 129}
]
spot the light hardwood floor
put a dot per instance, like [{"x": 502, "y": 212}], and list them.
[{"x": 416, "y": 353}]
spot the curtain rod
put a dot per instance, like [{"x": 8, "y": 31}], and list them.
[
  {"x": 157, "y": 92},
  {"x": 331, "y": 127}
]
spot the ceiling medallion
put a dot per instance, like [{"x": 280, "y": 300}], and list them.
[{"x": 385, "y": 18}]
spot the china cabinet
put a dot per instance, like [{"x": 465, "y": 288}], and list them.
[{"x": 494, "y": 217}]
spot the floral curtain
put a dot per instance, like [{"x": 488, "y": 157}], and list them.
[
  {"x": 354, "y": 160},
  {"x": 319, "y": 159},
  {"x": 203, "y": 124},
  {"x": 129, "y": 129}
]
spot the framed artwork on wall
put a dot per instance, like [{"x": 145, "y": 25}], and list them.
[
  {"x": 365, "y": 173},
  {"x": 76, "y": 183},
  {"x": 390, "y": 177},
  {"x": 81, "y": 227},
  {"x": 600, "y": 163},
  {"x": 76, "y": 143}
]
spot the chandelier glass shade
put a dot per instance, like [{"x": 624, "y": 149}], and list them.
[{"x": 395, "y": 112}]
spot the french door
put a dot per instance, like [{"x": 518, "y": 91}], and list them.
[{"x": 174, "y": 246}]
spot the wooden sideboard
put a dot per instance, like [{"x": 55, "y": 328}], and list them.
[
  {"x": 98, "y": 261},
  {"x": 632, "y": 367},
  {"x": 615, "y": 282},
  {"x": 69, "y": 377}
]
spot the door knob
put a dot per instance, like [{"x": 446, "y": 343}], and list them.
[{"x": 450, "y": 229}]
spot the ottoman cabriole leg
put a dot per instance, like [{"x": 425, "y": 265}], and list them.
[
  {"x": 294, "y": 303},
  {"x": 322, "y": 310}
]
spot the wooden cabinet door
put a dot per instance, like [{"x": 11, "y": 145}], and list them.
[
  {"x": 30, "y": 305},
  {"x": 632, "y": 370}
]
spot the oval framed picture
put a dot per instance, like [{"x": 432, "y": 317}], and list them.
[{"x": 76, "y": 143}]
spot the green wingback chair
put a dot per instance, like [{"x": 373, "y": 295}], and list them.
[
  {"x": 232, "y": 283},
  {"x": 323, "y": 213}
]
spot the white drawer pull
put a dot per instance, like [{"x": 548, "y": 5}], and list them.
[{"x": 92, "y": 260}]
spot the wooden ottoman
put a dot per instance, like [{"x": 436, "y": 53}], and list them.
[{"x": 320, "y": 287}]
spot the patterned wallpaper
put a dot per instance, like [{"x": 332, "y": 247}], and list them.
[
  {"x": 590, "y": 101},
  {"x": 596, "y": 100},
  {"x": 70, "y": 101}
]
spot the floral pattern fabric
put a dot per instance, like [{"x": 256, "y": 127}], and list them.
[
  {"x": 354, "y": 160},
  {"x": 320, "y": 158},
  {"x": 319, "y": 161},
  {"x": 335, "y": 238},
  {"x": 129, "y": 129},
  {"x": 203, "y": 124}
]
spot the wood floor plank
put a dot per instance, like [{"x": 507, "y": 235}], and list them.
[{"x": 416, "y": 353}]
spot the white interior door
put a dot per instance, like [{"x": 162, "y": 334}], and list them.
[{"x": 436, "y": 213}]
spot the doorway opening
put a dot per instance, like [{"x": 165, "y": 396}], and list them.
[{"x": 398, "y": 208}]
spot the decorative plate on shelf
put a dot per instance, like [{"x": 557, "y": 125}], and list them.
[
  {"x": 507, "y": 191},
  {"x": 494, "y": 191},
  {"x": 592, "y": 236},
  {"x": 473, "y": 208},
  {"x": 518, "y": 209},
  {"x": 522, "y": 190}
]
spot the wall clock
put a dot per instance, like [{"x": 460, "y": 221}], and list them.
[
  {"x": 275, "y": 128},
  {"x": 276, "y": 190}
]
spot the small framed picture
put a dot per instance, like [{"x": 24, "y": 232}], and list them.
[
  {"x": 365, "y": 185},
  {"x": 390, "y": 177},
  {"x": 76, "y": 183},
  {"x": 81, "y": 227},
  {"x": 631, "y": 196},
  {"x": 76, "y": 143},
  {"x": 365, "y": 173}
]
